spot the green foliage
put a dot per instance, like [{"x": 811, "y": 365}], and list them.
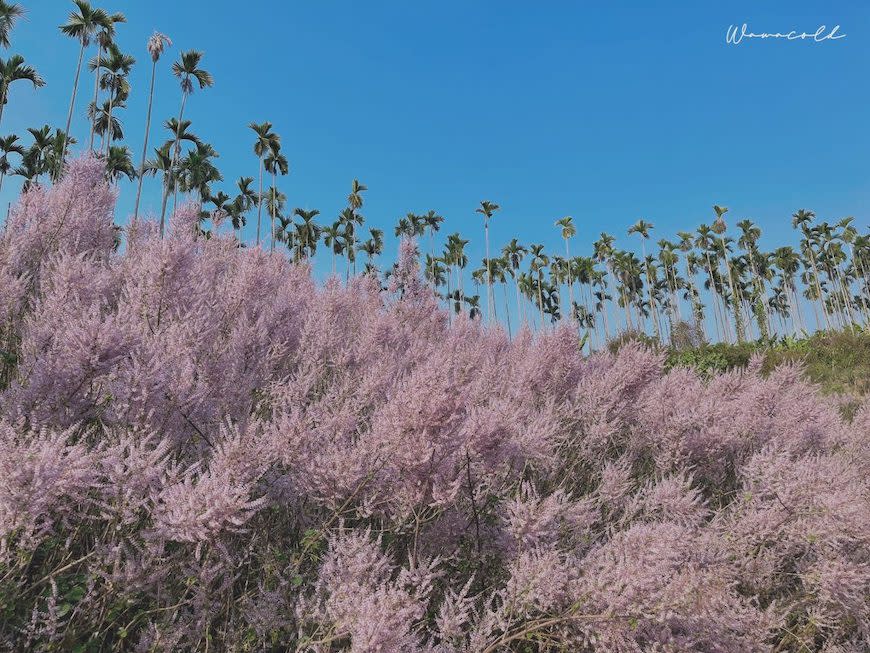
[{"x": 839, "y": 362}]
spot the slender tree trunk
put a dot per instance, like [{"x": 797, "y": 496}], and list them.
[
  {"x": 260, "y": 201},
  {"x": 846, "y": 293},
  {"x": 145, "y": 145},
  {"x": 507, "y": 310},
  {"x": 568, "y": 269},
  {"x": 177, "y": 148},
  {"x": 856, "y": 264},
  {"x": 2, "y": 177},
  {"x": 96, "y": 97},
  {"x": 818, "y": 285},
  {"x": 110, "y": 130},
  {"x": 520, "y": 313},
  {"x": 489, "y": 295},
  {"x": 163, "y": 204},
  {"x": 738, "y": 326},
  {"x": 272, "y": 211},
  {"x": 3, "y": 88},
  {"x": 72, "y": 104},
  {"x": 722, "y": 331}
]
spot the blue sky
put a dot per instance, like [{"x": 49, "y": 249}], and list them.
[{"x": 608, "y": 112}]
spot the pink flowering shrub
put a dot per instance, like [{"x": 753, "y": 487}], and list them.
[{"x": 202, "y": 448}]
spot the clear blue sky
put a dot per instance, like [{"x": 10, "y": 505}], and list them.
[{"x": 608, "y": 112}]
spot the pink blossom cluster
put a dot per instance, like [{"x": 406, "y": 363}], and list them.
[{"x": 200, "y": 448}]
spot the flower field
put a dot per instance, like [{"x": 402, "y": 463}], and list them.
[{"x": 203, "y": 449}]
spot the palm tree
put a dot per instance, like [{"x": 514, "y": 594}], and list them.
[
  {"x": 719, "y": 228},
  {"x": 114, "y": 80},
  {"x": 276, "y": 163},
  {"x": 41, "y": 149},
  {"x": 513, "y": 253},
  {"x": 456, "y": 258},
  {"x": 354, "y": 202},
  {"x": 432, "y": 221},
  {"x": 10, "y": 12},
  {"x": 372, "y": 247},
  {"x": 8, "y": 145},
  {"x": 179, "y": 134},
  {"x": 81, "y": 26},
  {"x": 405, "y": 226},
  {"x": 307, "y": 232},
  {"x": 749, "y": 242},
  {"x": 789, "y": 263},
  {"x": 14, "y": 70},
  {"x": 538, "y": 263},
  {"x": 487, "y": 209},
  {"x": 604, "y": 253},
  {"x": 803, "y": 218},
  {"x": 568, "y": 232},
  {"x": 28, "y": 169},
  {"x": 162, "y": 163},
  {"x": 119, "y": 163},
  {"x": 246, "y": 200},
  {"x": 105, "y": 38},
  {"x": 275, "y": 202},
  {"x": 263, "y": 145},
  {"x": 849, "y": 235},
  {"x": 104, "y": 123},
  {"x": 694, "y": 297},
  {"x": 156, "y": 43},
  {"x": 333, "y": 237},
  {"x": 349, "y": 220},
  {"x": 196, "y": 172},
  {"x": 704, "y": 242},
  {"x": 642, "y": 228},
  {"x": 188, "y": 72}
]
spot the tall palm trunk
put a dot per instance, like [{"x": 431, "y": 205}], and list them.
[
  {"x": 761, "y": 289},
  {"x": 845, "y": 293},
  {"x": 520, "y": 312},
  {"x": 697, "y": 313},
  {"x": 272, "y": 211},
  {"x": 3, "y": 91},
  {"x": 649, "y": 289},
  {"x": 489, "y": 295},
  {"x": 720, "y": 317},
  {"x": 856, "y": 264},
  {"x": 507, "y": 310},
  {"x": 72, "y": 104},
  {"x": 609, "y": 266},
  {"x": 738, "y": 318},
  {"x": 164, "y": 201},
  {"x": 110, "y": 131},
  {"x": 570, "y": 280},
  {"x": 819, "y": 286},
  {"x": 797, "y": 321},
  {"x": 96, "y": 97},
  {"x": 260, "y": 201},
  {"x": 586, "y": 292},
  {"x": 145, "y": 145},
  {"x": 176, "y": 151}
]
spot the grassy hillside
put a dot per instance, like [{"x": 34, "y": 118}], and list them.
[{"x": 838, "y": 362}]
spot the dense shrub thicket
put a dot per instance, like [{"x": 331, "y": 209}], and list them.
[{"x": 202, "y": 450}]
